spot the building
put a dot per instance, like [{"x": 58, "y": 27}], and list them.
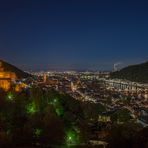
[
  {"x": 45, "y": 77},
  {"x": 104, "y": 118},
  {"x": 6, "y": 78}
]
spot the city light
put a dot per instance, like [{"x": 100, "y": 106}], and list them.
[{"x": 78, "y": 74}]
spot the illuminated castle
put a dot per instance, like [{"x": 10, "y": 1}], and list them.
[{"x": 6, "y": 78}]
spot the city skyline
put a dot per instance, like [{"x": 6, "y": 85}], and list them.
[{"x": 73, "y": 35}]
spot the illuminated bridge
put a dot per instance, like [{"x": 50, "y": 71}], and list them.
[{"x": 125, "y": 85}]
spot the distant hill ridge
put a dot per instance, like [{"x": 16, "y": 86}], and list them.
[
  {"x": 11, "y": 68},
  {"x": 137, "y": 73}
]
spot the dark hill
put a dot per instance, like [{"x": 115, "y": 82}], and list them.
[
  {"x": 137, "y": 73},
  {"x": 19, "y": 73}
]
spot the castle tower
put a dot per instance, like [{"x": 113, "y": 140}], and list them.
[
  {"x": 45, "y": 77},
  {"x": 73, "y": 87}
]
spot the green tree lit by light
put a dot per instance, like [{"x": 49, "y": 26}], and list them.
[
  {"x": 37, "y": 132},
  {"x": 59, "y": 111},
  {"x": 31, "y": 108},
  {"x": 57, "y": 106},
  {"x": 72, "y": 137},
  {"x": 8, "y": 131},
  {"x": 10, "y": 96},
  {"x": 55, "y": 100}
]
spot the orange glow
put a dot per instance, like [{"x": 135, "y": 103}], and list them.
[
  {"x": 19, "y": 87},
  {"x": 5, "y": 84},
  {"x": 7, "y": 75},
  {"x": 45, "y": 77},
  {"x": 6, "y": 78}
]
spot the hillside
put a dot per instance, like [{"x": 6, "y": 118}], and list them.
[
  {"x": 137, "y": 73},
  {"x": 11, "y": 68}
]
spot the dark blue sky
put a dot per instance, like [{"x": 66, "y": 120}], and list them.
[{"x": 73, "y": 34}]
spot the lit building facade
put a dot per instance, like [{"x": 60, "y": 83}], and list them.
[{"x": 6, "y": 78}]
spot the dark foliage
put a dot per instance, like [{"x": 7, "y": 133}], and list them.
[
  {"x": 128, "y": 135},
  {"x": 136, "y": 73},
  {"x": 40, "y": 118}
]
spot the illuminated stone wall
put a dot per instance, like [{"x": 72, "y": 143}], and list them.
[
  {"x": 8, "y": 75},
  {"x": 6, "y": 78},
  {"x": 5, "y": 84}
]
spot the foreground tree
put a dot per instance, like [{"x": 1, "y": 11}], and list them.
[{"x": 123, "y": 135}]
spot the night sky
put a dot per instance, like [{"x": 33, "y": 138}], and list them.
[{"x": 73, "y": 34}]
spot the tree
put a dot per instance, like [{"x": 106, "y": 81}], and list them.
[
  {"x": 92, "y": 110},
  {"x": 122, "y": 115},
  {"x": 141, "y": 139},
  {"x": 122, "y": 135}
]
